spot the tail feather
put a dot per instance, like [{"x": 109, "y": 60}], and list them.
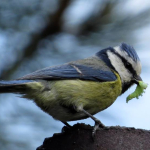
[{"x": 14, "y": 86}]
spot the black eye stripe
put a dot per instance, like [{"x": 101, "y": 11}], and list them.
[
  {"x": 126, "y": 63},
  {"x": 104, "y": 56}
]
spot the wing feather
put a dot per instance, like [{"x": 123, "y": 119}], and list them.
[{"x": 72, "y": 71}]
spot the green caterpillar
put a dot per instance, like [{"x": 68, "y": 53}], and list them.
[{"x": 138, "y": 91}]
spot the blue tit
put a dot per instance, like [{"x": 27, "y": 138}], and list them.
[{"x": 82, "y": 88}]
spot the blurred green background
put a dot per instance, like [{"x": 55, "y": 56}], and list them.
[{"x": 39, "y": 33}]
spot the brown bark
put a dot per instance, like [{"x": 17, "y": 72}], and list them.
[{"x": 113, "y": 138}]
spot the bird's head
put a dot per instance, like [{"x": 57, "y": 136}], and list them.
[{"x": 124, "y": 60}]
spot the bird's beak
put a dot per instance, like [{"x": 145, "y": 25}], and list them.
[{"x": 136, "y": 79}]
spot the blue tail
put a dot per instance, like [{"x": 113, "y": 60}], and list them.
[{"x": 13, "y": 86}]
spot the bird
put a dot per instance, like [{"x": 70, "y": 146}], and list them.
[{"x": 79, "y": 89}]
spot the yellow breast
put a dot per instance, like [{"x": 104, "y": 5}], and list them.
[
  {"x": 92, "y": 96},
  {"x": 61, "y": 95}
]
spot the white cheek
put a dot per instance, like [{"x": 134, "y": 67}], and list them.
[
  {"x": 136, "y": 65},
  {"x": 138, "y": 68},
  {"x": 119, "y": 66}
]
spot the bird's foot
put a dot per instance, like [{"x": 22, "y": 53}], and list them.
[
  {"x": 66, "y": 127},
  {"x": 98, "y": 125}
]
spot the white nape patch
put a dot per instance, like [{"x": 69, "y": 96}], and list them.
[
  {"x": 136, "y": 65},
  {"x": 117, "y": 63}
]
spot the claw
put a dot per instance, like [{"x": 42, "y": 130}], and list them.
[{"x": 98, "y": 125}]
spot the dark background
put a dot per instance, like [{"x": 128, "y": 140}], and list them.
[{"x": 40, "y": 33}]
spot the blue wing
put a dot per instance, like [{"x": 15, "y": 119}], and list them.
[{"x": 72, "y": 71}]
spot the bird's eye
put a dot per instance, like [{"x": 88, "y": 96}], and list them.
[{"x": 127, "y": 65}]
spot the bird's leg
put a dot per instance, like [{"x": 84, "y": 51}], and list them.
[
  {"x": 67, "y": 124},
  {"x": 97, "y": 122},
  {"x": 66, "y": 127}
]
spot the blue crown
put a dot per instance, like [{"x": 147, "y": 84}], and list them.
[{"x": 130, "y": 51}]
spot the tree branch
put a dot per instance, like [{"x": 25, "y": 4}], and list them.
[
  {"x": 113, "y": 138},
  {"x": 52, "y": 27}
]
